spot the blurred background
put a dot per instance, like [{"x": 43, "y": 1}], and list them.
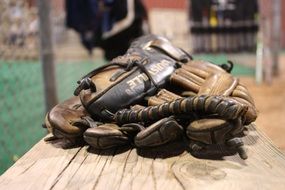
[{"x": 47, "y": 45}]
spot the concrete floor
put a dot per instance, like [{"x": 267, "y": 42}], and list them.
[{"x": 270, "y": 102}]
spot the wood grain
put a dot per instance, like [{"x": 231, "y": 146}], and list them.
[{"x": 47, "y": 166}]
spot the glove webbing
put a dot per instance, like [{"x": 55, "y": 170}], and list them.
[{"x": 223, "y": 107}]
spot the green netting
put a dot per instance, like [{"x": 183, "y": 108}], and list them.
[
  {"x": 22, "y": 103},
  {"x": 21, "y": 98}
]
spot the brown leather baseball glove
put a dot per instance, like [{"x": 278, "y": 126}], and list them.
[{"x": 177, "y": 95}]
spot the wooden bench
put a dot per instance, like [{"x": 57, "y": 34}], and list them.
[{"x": 47, "y": 166}]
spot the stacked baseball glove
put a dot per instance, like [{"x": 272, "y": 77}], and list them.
[{"x": 152, "y": 95}]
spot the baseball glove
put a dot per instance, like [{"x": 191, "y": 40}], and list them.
[
  {"x": 177, "y": 96},
  {"x": 221, "y": 106}
]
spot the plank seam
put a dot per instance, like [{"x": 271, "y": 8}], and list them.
[
  {"x": 175, "y": 177},
  {"x": 97, "y": 180},
  {"x": 60, "y": 174},
  {"x": 124, "y": 168},
  {"x": 76, "y": 170}
]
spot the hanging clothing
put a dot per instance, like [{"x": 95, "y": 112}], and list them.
[{"x": 109, "y": 24}]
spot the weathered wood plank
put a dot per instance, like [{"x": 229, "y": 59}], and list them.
[{"x": 172, "y": 167}]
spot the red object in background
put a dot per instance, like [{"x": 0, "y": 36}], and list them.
[
  {"x": 31, "y": 3},
  {"x": 57, "y": 5},
  {"x": 173, "y": 4}
]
